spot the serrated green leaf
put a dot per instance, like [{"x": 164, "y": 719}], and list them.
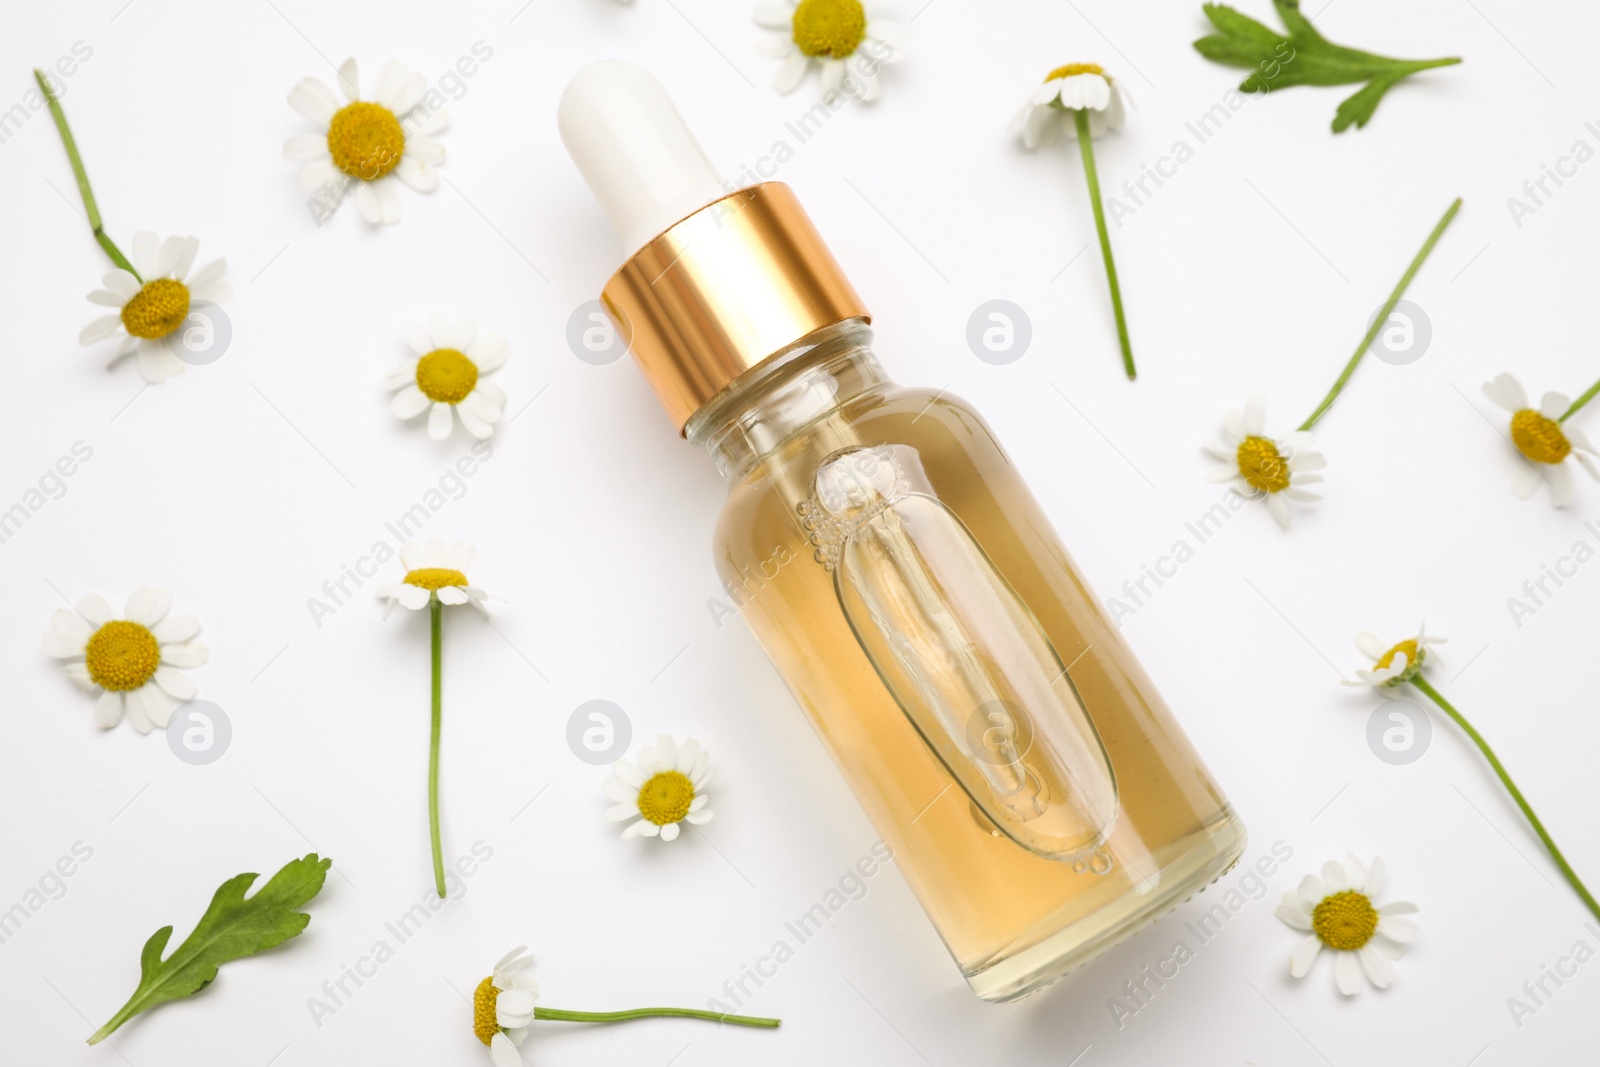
[
  {"x": 1304, "y": 57},
  {"x": 233, "y": 927}
]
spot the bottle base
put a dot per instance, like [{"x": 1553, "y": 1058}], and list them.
[{"x": 1028, "y": 970}]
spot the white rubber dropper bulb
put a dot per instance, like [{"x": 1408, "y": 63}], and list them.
[{"x": 635, "y": 151}]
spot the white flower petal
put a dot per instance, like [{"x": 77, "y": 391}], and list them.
[
  {"x": 1304, "y": 955},
  {"x": 314, "y": 100},
  {"x": 367, "y": 203},
  {"x": 318, "y": 173},
  {"x": 1559, "y": 475},
  {"x": 502, "y": 1053},
  {"x": 1554, "y": 405},
  {"x": 350, "y": 80},
  {"x": 791, "y": 73},
  {"x": 1347, "y": 973},
  {"x": 187, "y": 656},
  {"x": 669, "y": 832},
  {"x": 775, "y": 16},
  {"x": 1335, "y": 877},
  {"x": 1279, "y": 508},
  {"x": 1293, "y": 916},
  {"x": 304, "y": 147},
  {"x": 1255, "y": 416},
  {"x": 400, "y": 377},
  {"x": 439, "y": 422},
  {"x": 121, "y": 284},
  {"x": 175, "y": 683},
  {"x": 99, "y": 329},
  {"x": 1507, "y": 392},
  {"x": 108, "y": 710},
  {"x": 489, "y": 352},
  {"x": 78, "y": 674},
  {"x": 148, "y": 605},
  {"x": 1526, "y": 479},
  {"x": 137, "y": 715},
  {"x": 1400, "y": 931},
  {"x": 94, "y": 609},
  {"x": 1312, "y": 890},
  {"x": 452, "y": 596},
  {"x": 409, "y": 403},
  {"x": 1379, "y": 970},
  {"x": 425, "y": 150},
  {"x": 1377, "y": 873},
  {"x": 417, "y": 174},
  {"x": 387, "y": 191},
  {"x": 1356, "y": 873}
]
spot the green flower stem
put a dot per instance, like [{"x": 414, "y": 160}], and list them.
[
  {"x": 1577, "y": 405},
  {"x": 1382, "y": 317},
  {"x": 435, "y": 612},
  {"x": 559, "y": 1015},
  {"x": 1516, "y": 794},
  {"x": 78, "y": 172},
  {"x": 1080, "y": 116}
]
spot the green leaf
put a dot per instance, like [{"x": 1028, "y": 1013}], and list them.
[
  {"x": 1304, "y": 57},
  {"x": 232, "y": 928}
]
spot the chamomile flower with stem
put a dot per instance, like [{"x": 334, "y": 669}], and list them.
[
  {"x": 1274, "y": 468},
  {"x": 1543, "y": 439},
  {"x": 505, "y": 1005},
  {"x": 153, "y": 291},
  {"x": 1083, "y": 100},
  {"x": 435, "y": 577},
  {"x": 1403, "y": 663}
]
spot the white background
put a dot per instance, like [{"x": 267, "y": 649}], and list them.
[{"x": 246, "y": 484}]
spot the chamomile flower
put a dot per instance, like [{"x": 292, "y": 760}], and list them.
[
  {"x": 1394, "y": 665},
  {"x": 371, "y": 143},
  {"x": 150, "y": 313},
  {"x": 446, "y": 373},
  {"x": 1543, "y": 439},
  {"x": 1338, "y": 912},
  {"x": 135, "y": 663},
  {"x": 505, "y": 1004},
  {"x": 434, "y": 570},
  {"x": 843, "y": 37},
  {"x": 1052, "y": 107},
  {"x": 502, "y": 1007},
  {"x": 1262, "y": 466},
  {"x": 665, "y": 788},
  {"x": 435, "y": 578}
]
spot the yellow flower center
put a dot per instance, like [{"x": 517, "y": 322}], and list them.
[
  {"x": 433, "y": 578},
  {"x": 365, "y": 140},
  {"x": 122, "y": 656},
  {"x": 1262, "y": 466},
  {"x": 445, "y": 376},
  {"x": 833, "y": 28},
  {"x": 1412, "y": 652},
  {"x": 485, "y": 1024},
  {"x": 1539, "y": 438},
  {"x": 156, "y": 309},
  {"x": 1345, "y": 921},
  {"x": 666, "y": 797},
  {"x": 1077, "y": 68}
]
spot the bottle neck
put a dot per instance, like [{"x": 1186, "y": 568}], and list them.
[{"x": 771, "y": 403}]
